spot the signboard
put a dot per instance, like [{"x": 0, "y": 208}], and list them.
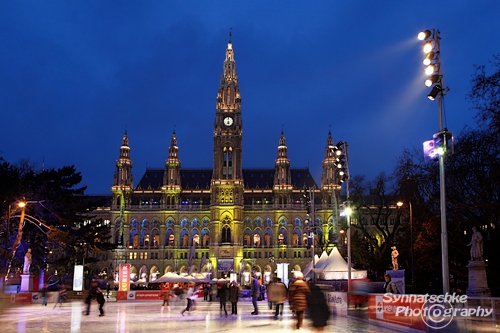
[
  {"x": 78, "y": 278},
  {"x": 20, "y": 298},
  {"x": 124, "y": 277},
  {"x": 430, "y": 153},
  {"x": 225, "y": 265}
]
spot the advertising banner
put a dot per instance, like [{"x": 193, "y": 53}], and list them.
[
  {"x": 225, "y": 265},
  {"x": 78, "y": 278},
  {"x": 337, "y": 301},
  {"x": 124, "y": 277},
  {"x": 20, "y": 298},
  {"x": 148, "y": 295}
]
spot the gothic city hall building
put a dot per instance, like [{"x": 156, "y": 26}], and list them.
[{"x": 224, "y": 221}]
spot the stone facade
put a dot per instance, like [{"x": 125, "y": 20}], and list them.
[{"x": 225, "y": 219}]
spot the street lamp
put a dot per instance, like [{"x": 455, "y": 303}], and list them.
[
  {"x": 410, "y": 221},
  {"x": 22, "y": 205},
  {"x": 431, "y": 40}
]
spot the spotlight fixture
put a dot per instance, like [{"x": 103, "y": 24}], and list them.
[
  {"x": 428, "y": 58},
  {"x": 423, "y": 35},
  {"x": 429, "y": 70},
  {"x": 427, "y": 47},
  {"x": 434, "y": 92},
  {"x": 430, "y": 81}
]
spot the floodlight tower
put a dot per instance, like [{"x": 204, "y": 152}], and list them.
[{"x": 434, "y": 71}]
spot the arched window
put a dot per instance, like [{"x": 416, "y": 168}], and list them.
[
  {"x": 185, "y": 240},
  {"x": 256, "y": 240},
  {"x": 205, "y": 237},
  {"x": 247, "y": 237},
  {"x": 226, "y": 234},
  {"x": 196, "y": 240},
  {"x": 282, "y": 239},
  {"x": 267, "y": 240},
  {"x": 296, "y": 237}
]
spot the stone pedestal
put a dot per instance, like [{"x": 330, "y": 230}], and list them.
[
  {"x": 26, "y": 283},
  {"x": 478, "y": 284}
]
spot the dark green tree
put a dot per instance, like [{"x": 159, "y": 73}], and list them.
[{"x": 58, "y": 217}]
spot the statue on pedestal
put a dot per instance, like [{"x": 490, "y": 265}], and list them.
[
  {"x": 476, "y": 245},
  {"x": 27, "y": 262},
  {"x": 394, "y": 257}
]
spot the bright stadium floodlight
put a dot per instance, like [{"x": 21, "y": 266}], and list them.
[{"x": 431, "y": 48}]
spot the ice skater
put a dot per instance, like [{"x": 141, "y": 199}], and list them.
[{"x": 95, "y": 293}]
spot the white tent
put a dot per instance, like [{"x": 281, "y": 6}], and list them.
[
  {"x": 334, "y": 267},
  {"x": 321, "y": 263},
  {"x": 307, "y": 272}
]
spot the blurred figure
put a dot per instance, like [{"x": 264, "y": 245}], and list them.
[
  {"x": 318, "y": 308},
  {"x": 95, "y": 293},
  {"x": 43, "y": 294},
  {"x": 166, "y": 299},
  {"x": 61, "y": 296},
  {"x": 206, "y": 291},
  {"x": 298, "y": 292},
  {"x": 189, "y": 297},
  {"x": 108, "y": 289},
  {"x": 276, "y": 293},
  {"x": 389, "y": 286},
  {"x": 255, "y": 290},
  {"x": 222, "y": 293},
  {"x": 234, "y": 294}
]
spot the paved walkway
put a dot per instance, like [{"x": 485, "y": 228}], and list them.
[{"x": 131, "y": 317}]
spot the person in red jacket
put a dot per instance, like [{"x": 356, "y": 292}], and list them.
[{"x": 297, "y": 295}]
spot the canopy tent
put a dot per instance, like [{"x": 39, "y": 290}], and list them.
[
  {"x": 176, "y": 278},
  {"x": 332, "y": 267}
]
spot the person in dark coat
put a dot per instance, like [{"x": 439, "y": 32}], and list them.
[
  {"x": 222, "y": 292},
  {"x": 297, "y": 295},
  {"x": 317, "y": 308},
  {"x": 43, "y": 294},
  {"x": 255, "y": 291},
  {"x": 234, "y": 294},
  {"x": 95, "y": 293}
]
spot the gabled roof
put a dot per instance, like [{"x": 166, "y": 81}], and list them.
[{"x": 201, "y": 178}]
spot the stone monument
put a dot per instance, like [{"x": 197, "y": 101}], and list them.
[
  {"x": 478, "y": 284},
  {"x": 394, "y": 258},
  {"x": 26, "y": 281}
]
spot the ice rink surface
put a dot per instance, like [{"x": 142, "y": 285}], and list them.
[{"x": 132, "y": 317}]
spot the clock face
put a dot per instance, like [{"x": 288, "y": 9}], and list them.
[{"x": 228, "y": 121}]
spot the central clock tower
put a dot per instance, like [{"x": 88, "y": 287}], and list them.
[{"x": 227, "y": 179}]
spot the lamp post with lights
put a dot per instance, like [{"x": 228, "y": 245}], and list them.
[
  {"x": 341, "y": 163},
  {"x": 434, "y": 71}
]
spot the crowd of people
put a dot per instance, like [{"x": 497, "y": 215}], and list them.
[{"x": 302, "y": 297}]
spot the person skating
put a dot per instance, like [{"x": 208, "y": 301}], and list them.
[
  {"x": 317, "y": 308},
  {"x": 95, "y": 293},
  {"x": 222, "y": 293},
  {"x": 234, "y": 294},
  {"x": 189, "y": 297},
  {"x": 255, "y": 290},
  {"x": 62, "y": 296},
  {"x": 276, "y": 293},
  {"x": 298, "y": 292}
]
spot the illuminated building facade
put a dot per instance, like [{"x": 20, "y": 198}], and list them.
[{"x": 223, "y": 220}]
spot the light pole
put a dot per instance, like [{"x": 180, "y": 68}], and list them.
[
  {"x": 22, "y": 205},
  {"x": 410, "y": 221},
  {"x": 433, "y": 63},
  {"x": 341, "y": 163}
]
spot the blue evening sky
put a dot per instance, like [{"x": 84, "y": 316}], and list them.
[{"x": 75, "y": 75}]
